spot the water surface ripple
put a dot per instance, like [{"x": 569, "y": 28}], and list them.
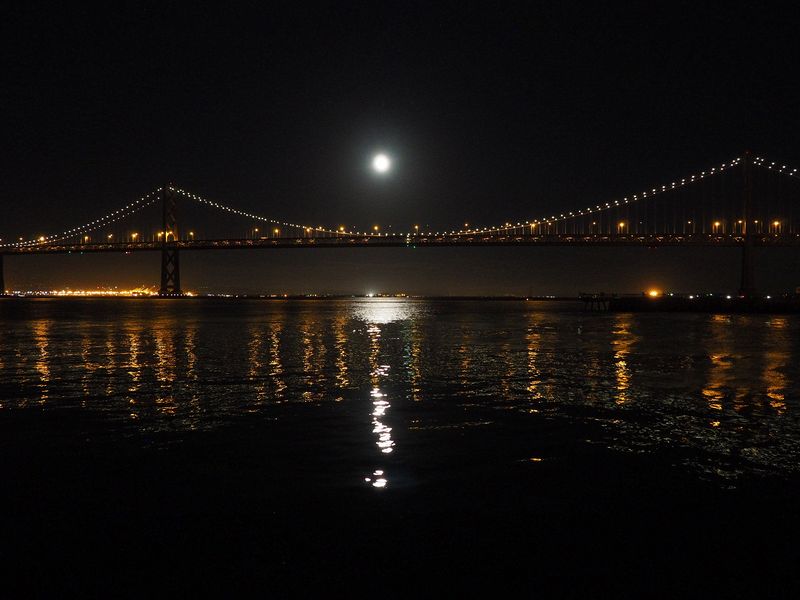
[{"x": 716, "y": 395}]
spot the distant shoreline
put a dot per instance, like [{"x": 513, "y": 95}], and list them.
[{"x": 591, "y": 303}]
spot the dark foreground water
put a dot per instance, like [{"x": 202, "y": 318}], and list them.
[{"x": 396, "y": 447}]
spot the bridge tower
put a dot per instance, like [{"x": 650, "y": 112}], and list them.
[
  {"x": 170, "y": 263},
  {"x": 747, "y": 287}
]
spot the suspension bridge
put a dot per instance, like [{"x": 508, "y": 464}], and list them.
[{"x": 747, "y": 202}]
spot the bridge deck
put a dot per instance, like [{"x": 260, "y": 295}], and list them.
[{"x": 390, "y": 241}]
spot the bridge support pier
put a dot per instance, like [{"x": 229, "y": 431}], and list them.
[
  {"x": 2, "y": 278},
  {"x": 170, "y": 263},
  {"x": 747, "y": 287}
]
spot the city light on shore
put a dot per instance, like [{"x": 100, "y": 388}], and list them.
[{"x": 96, "y": 293}]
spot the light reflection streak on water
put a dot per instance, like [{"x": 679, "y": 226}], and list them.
[
  {"x": 305, "y": 341},
  {"x": 88, "y": 366},
  {"x": 775, "y": 364},
  {"x": 165, "y": 368},
  {"x": 275, "y": 364},
  {"x": 719, "y": 372},
  {"x": 466, "y": 349},
  {"x": 381, "y": 311},
  {"x": 379, "y": 400},
  {"x": 41, "y": 330},
  {"x": 377, "y": 480},
  {"x": 256, "y": 364},
  {"x": 190, "y": 351},
  {"x": 532, "y": 347},
  {"x": 742, "y": 387},
  {"x": 414, "y": 361},
  {"x": 506, "y": 381},
  {"x": 340, "y": 341},
  {"x": 313, "y": 359},
  {"x": 133, "y": 368},
  {"x": 110, "y": 367},
  {"x": 623, "y": 342},
  {"x": 189, "y": 338},
  {"x": 190, "y": 342}
]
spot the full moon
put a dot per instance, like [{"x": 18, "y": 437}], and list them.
[{"x": 381, "y": 163}]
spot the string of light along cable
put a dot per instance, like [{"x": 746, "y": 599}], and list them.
[
  {"x": 773, "y": 166},
  {"x": 607, "y": 206},
  {"x": 91, "y": 226},
  {"x": 255, "y": 217}
]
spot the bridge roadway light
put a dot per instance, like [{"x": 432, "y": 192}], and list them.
[{"x": 134, "y": 236}]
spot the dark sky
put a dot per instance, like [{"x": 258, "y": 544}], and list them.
[{"x": 492, "y": 111}]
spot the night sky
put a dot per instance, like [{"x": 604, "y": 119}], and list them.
[{"x": 491, "y": 112}]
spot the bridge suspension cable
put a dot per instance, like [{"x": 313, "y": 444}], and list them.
[
  {"x": 760, "y": 161},
  {"x": 93, "y": 225},
  {"x": 599, "y": 208},
  {"x": 255, "y": 217}
]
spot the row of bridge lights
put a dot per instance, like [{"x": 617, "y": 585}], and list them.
[
  {"x": 134, "y": 237},
  {"x": 621, "y": 227},
  {"x": 776, "y": 226},
  {"x": 159, "y": 235},
  {"x": 718, "y": 227}
]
